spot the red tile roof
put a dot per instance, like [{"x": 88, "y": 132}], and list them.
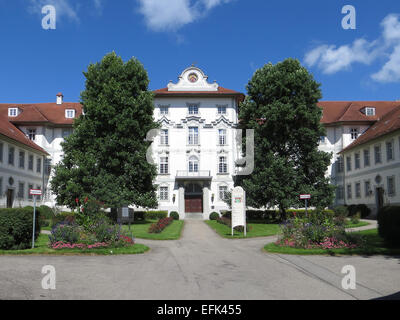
[
  {"x": 389, "y": 123},
  {"x": 9, "y": 130},
  {"x": 350, "y": 111},
  {"x": 51, "y": 113}
]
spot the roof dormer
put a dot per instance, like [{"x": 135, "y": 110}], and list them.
[
  {"x": 13, "y": 112},
  {"x": 369, "y": 111}
]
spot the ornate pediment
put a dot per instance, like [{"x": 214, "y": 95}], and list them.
[{"x": 193, "y": 79}]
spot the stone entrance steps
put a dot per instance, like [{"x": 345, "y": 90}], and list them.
[{"x": 193, "y": 216}]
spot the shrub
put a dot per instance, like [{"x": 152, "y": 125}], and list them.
[
  {"x": 355, "y": 219},
  {"x": 46, "y": 212},
  {"x": 139, "y": 215},
  {"x": 159, "y": 226},
  {"x": 389, "y": 224},
  {"x": 62, "y": 217},
  {"x": 174, "y": 215},
  {"x": 66, "y": 232},
  {"x": 16, "y": 228},
  {"x": 155, "y": 215},
  {"x": 361, "y": 209},
  {"x": 214, "y": 216}
]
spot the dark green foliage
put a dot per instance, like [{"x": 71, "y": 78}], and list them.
[
  {"x": 16, "y": 228},
  {"x": 214, "y": 216},
  {"x": 281, "y": 107},
  {"x": 361, "y": 209},
  {"x": 155, "y": 215},
  {"x": 341, "y": 213},
  {"x": 105, "y": 157},
  {"x": 389, "y": 224},
  {"x": 63, "y": 216},
  {"x": 174, "y": 215},
  {"x": 46, "y": 212}
]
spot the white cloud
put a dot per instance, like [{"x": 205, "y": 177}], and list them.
[
  {"x": 331, "y": 59},
  {"x": 63, "y": 8},
  {"x": 390, "y": 72},
  {"x": 170, "y": 15}
]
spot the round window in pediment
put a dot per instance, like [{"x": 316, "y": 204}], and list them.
[{"x": 193, "y": 77}]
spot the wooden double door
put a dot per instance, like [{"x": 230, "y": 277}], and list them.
[{"x": 193, "y": 203}]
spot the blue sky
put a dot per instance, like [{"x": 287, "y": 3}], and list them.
[{"x": 228, "y": 39}]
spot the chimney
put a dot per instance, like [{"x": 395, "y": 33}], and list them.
[{"x": 60, "y": 98}]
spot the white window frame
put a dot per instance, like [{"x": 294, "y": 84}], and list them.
[
  {"x": 193, "y": 108},
  {"x": 370, "y": 111},
  {"x": 32, "y": 134},
  {"x": 223, "y": 165},
  {"x": 164, "y": 137},
  {"x": 68, "y": 115},
  {"x": 193, "y": 164},
  {"x": 164, "y": 165},
  {"x": 222, "y": 134},
  {"x": 391, "y": 193},
  {"x": 13, "y": 112},
  {"x": 391, "y": 143},
  {"x": 378, "y": 147},
  {"x": 164, "y": 110},
  {"x": 367, "y": 152},
  {"x": 222, "y": 109},
  {"x": 193, "y": 137},
  {"x": 163, "y": 193},
  {"x": 222, "y": 191},
  {"x": 354, "y": 133}
]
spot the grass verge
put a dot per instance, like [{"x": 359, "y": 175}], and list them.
[
  {"x": 256, "y": 230},
  {"x": 140, "y": 230},
  {"x": 374, "y": 246},
  {"x": 41, "y": 248}
]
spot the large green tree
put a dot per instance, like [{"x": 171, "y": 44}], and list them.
[
  {"x": 105, "y": 157},
  {"x": 281, "y": 107}
]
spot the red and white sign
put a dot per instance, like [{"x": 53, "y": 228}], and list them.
[
  {"x": 35, "y": 192},
  {"x": 305, "y": 196}
]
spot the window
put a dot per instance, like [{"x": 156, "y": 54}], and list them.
[
  {"x": 348, "y": 164},
  {"x": 340, "y": 165},
  {"x": 193, "y": 135},
  {"x": 358, "y": 190},
  {"x": 164, "y": 196},
  {"x": 32, "y": 134},
  {"x": 222, "y": 137},
  {"x": 30, "y": 197},
  {"x": 223, "y": 192},
  {"x": 389, "y": 151},
  {"x": 370, "y": 111},
  {"x": 30, "y": 162},
  {"x": 354, "y": 133},
  {"x": 366, "y": 158},
  {"x": 22, "y": 159},
  {"x": 222, "y": 166},
  {"x": 221, "y": 109},
  {"x": 367, "y": 185},
  {"x": 39, "y": 165},
  {"x": 12, "y": 112},
  {"x": 164, "y": 137},
  {"x": 70, "y": 113},
  {"x": 391, "y": 187},
  {"x": 11, "y": 152},
  {"x": 47, "y": 166},
  {"x": 340, "y": 193},
  {"x": 193, "y": 164},
  {"x": 164, "y": 165},
  {"x": 21, "y": 190},
  {"x": 1, "y": 152},
  {"x": 193, "y": 109},
  {"x": 66, "y": 133},
  {"x": 357, "y": 160},
  {"x": 349, "y": 191},
  {"x": 378, "y": 158},
  {"x": 164, "y": 110}
]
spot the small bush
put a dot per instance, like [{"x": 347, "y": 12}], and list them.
[
  {"x": 355, "y": 219},
  {"x": 159, "y": 226},
  {"x": 361, "y": 209},
  {"x": 16, "y": 228},
  {"x": 214, "y": 216},
  {"x": 174, "y": 215},
  {"x": 46, "y": 212},
  {"x": 63, "y": 217},
  {"x": 389, "y": 224}
]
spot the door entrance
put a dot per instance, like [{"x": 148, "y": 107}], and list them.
[
  {"x": 194, "y": 204},
  {"x": 193, "y": 198},
  {"x": 10, "y": 198}
]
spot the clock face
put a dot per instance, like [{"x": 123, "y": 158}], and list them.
[{"x": 193, "y": 77}]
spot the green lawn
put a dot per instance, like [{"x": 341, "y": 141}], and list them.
[
  {"x": 374, "y": 246},
  {"x": 355, "y": 225},
  {"x": 257, "y": 229},
  {"x": 42, "y": 248},
  {"x": 140, "y": 230}
]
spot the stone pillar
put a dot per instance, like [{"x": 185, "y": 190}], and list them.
[
  {"x": 206, "y": 203},
  {"x": 181, "y": 202}
]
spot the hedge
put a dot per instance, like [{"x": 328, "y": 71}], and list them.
[
  {"x": 174, "y": 215},
  {"x": 389, "y": 224},
  {"x": 272, "y": 215},
  {"x": 362, "y": 209},
  {"x": 16, "y": 228}
]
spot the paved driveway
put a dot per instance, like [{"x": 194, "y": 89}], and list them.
[{"x": 199, "y": 266}]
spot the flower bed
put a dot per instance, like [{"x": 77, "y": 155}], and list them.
[
  {"x": 160, "y": 225},
  {"x": 319, "y": 230}
]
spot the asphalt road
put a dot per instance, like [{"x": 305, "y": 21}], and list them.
[{"x": 200, "y": 265}]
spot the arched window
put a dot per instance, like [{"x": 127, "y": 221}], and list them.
[{"x": 193, "y": 164}]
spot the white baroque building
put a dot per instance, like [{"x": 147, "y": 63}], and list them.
[{"x": 196, "y": 150}]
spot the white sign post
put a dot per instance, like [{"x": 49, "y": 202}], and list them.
[
  {"x": 305, "y": 197},
  {"x": 34, "y": 193},
  {"x": 238, "y": 208}
]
